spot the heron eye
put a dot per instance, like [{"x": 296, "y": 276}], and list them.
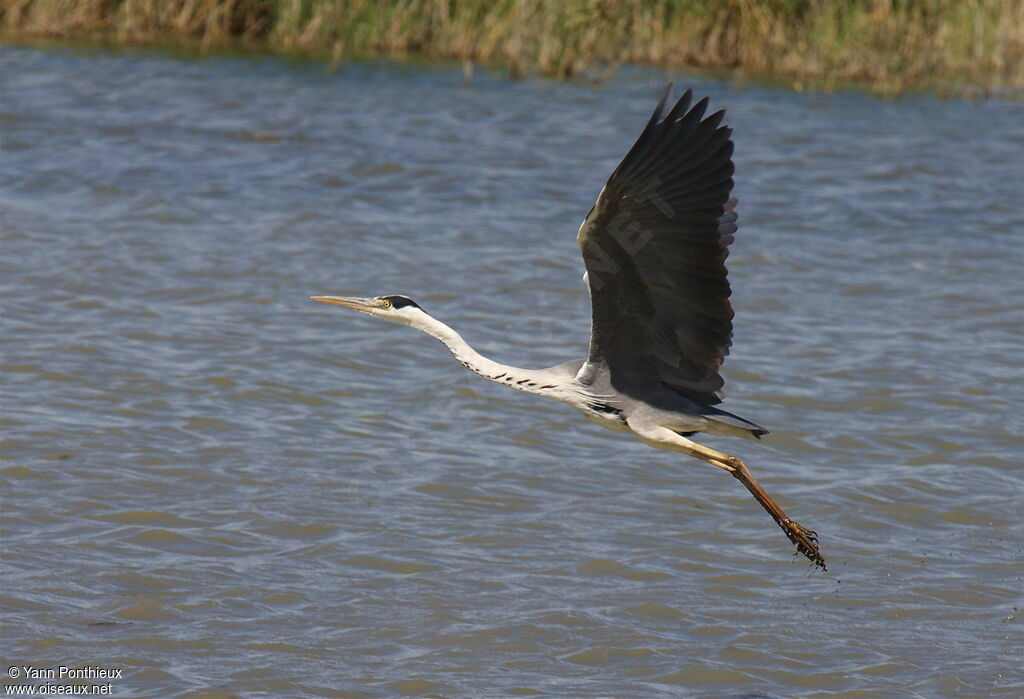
[{"x": 386, "y": 304}]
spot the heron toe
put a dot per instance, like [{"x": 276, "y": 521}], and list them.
[{"x": 806, "y": 542}]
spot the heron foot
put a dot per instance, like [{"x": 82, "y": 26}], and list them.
[{"x": 805, "y": 540}]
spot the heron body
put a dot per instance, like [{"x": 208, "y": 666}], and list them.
[{"x": 654, "y": 245}]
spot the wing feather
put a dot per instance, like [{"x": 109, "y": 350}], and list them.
[{"x": 655, "y": 245}]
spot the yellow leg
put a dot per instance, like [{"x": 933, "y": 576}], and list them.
[{"x": 805, "y": 540}]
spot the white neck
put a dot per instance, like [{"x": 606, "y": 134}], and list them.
[{"x": 529, "y": 380}]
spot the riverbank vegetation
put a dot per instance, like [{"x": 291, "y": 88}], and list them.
[{"x": 890, "y": 44}]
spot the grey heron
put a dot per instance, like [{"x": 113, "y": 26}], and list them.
[{"x": 654, "y": 246}]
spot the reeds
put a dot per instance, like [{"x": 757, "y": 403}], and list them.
[{"x": 891, "y": 44}]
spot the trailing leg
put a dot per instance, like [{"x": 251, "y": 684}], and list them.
[{"x": 805, "y": 540}]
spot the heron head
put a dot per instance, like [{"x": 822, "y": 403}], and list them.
[{"x": 396, "y": 308}]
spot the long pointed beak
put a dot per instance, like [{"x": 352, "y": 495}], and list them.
[{"x": 358, "y": 304}]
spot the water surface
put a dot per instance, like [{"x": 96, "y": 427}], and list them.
[{"x": 218, "y": 485}]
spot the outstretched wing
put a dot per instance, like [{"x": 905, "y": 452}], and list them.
[{"x": 654, "y": 245}]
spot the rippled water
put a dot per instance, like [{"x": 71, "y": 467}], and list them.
[{"x": 219, "y": 486}]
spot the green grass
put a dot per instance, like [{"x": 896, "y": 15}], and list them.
[{"x": 890, "y": 44}]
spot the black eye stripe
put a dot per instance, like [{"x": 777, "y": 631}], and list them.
[{"x": 400, "y": 301}]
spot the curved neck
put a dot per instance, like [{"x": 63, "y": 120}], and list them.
[{"x": 529, "y": 380}]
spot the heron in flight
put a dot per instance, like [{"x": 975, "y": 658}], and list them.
[{"x": 654, "y": 246}]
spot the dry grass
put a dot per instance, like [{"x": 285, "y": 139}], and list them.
[{"x": 891, "y": 44}]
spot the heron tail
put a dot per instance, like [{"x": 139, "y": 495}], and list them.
[{"x": 725, "y": 423}]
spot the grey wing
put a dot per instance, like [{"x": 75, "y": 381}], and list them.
[{"x": 654, "y": 245}]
